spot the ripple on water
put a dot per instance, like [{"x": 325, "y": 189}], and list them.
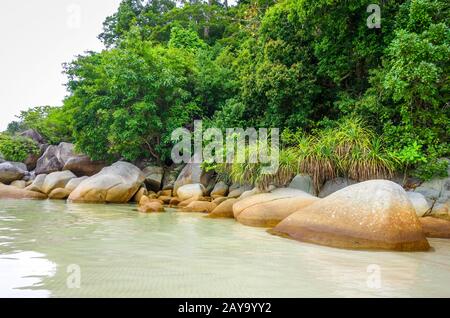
[{"x": 123, "y": 253}]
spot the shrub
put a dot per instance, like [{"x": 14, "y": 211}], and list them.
[{"x": 17, "y": 148}]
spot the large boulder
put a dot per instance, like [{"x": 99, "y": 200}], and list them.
[
  {"x": 56, "y": 180},
  {"x": 193, "y": 173},
  {"x": 269, "y": 209},
  {"x": 37, "y": 184},
  {"x": 153, "y": 177},
  {"x": 21, "y": 184},
  {"x": 11, "y": 171},
  {"x": 52, "y": 159},
  {"x": 116, "y": 184},
  {"x": 190, "y": 191},
  {"x": 331, "y": 186},
  {"x": 304, "y": 183},
  {"x": 82, "y": 165},
  {"x": 420, "y": 204},
  {"x": 375, "y": 214},
  {"x": 10, "y": 192}
]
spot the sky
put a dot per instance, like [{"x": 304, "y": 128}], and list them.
[{"x": 36, "y": 37}]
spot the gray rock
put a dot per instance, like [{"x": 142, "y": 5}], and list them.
[
  {"x": 219, "y": 190},
  {"x": 117, "y": 183},
  {"x": 36, "y": 186},
  {"x": 56, "y": 180},
  {"x": 239, "y": 191},
  {"x": 11, "y": 171},
  {"x": 304, "y": 183},
  {"x": 420, "y": 204},
  {"x": 82, "y": 165},
  {"x": 170, "y": 176},
  {"x": 188, "y": 191},
  {"x": 334, "y": 185},
  {"x": 193, "y": 173},
  {"x": 73, "y": 183},
  {"x": 34, "y": 135},
  {"x": 153, "y": 177}
]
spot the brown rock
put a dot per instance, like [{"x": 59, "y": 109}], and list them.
[
  {"x": 10, "y": 192},
  {"x": 200, "y": 206},
  {"x": 224, "y": 209},
  {"x": 174, "y": 202},
  {"x": 435, "y": 227},
  {"x": 375, "y": 214},
  {"x": 141, "y": 192},
  {"x": 219, "y": 200},
  {"x": 59, "y": 194}
]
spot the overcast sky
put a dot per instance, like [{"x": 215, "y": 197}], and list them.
[{"x": 36, "y": 38}]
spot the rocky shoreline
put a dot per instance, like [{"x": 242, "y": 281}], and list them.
[{"x": 375, "y": 214}]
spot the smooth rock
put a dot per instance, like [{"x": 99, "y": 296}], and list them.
[
  {"x": 192, "y": 173},
  {"x": 59, "y": 194},
  {"x": 334, "y": 185},
  {"x": 304, "y": 183},
  {"x": 37, "y": 184},
  {"x": 239, "y": 191},
  {"x": 82, "y": 165},
  {"x": 56, "y": 180},
  {"x": 147, "y": 205},
  {"x": 434, "y": 227},
  {"x": 219, "y": 190},
  {"x": 420, "y": 204},
  {"x": 200, "y": 206},
  {"x": 34, "y": 135},
  {"x": 219, "y": 200},
  {"x": 224, "y": 209},
  {"x": 11, "y": 171},
  {"x": 269, "y": 209},
  {"x": 73, "y": 183},
  {"x": 141, "y": 192},
  {"x": 10, "y": 192},
  {"x": 153, "y": 177},
  {"x": 190, "y": 190},
  {"x": 375, "y": 214},
  {"x": 20, "y": 184},
  {"x": 117, "y": 183}
]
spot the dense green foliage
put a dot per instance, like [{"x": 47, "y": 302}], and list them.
[
  {"x": 312, "y": 68},
  {"x": 16, "y": 148}
]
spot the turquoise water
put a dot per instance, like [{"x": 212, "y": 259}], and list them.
[{"x": 114, "y": 251}]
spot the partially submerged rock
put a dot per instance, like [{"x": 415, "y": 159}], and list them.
[
  {"x": 268, "y": 209},
  {"x": 190, "y": 190},
  {"x": 224, "y": 209},
  {"x": 59, "y": 194},
  {"x": 375, "y": 214},
  {"x": 435, "y": 227},
  {"x": 56, "y": 180},
  {"x": 10, "y": 192},
  {"x": 200, "y": 206},
  {"x": 117, "y": 183},
  {"x": 148, "y": 205}
]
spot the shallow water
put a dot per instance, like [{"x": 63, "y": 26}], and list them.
[{"x": 119, "y": 252}]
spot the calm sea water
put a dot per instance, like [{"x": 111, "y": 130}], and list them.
[{"x": 119, "y": 252}]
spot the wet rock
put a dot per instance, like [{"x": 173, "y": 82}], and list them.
[
  {"x": 55, "y": 180},
  {"x": 224, "y": 209},
  {"x": 141, "y": 192},
  {"x": 434, "y": 227},
  {"x": 59, "y": 194},
  {"x": 10, "y": 192},
  {"x": 200, "y": 206},
  {"x": 375, "y": 214}
]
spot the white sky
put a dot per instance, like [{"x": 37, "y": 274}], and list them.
[{"x": 36, "y": 37}]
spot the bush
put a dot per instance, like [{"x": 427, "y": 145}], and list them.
[{"x": 17, "y": 148}]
